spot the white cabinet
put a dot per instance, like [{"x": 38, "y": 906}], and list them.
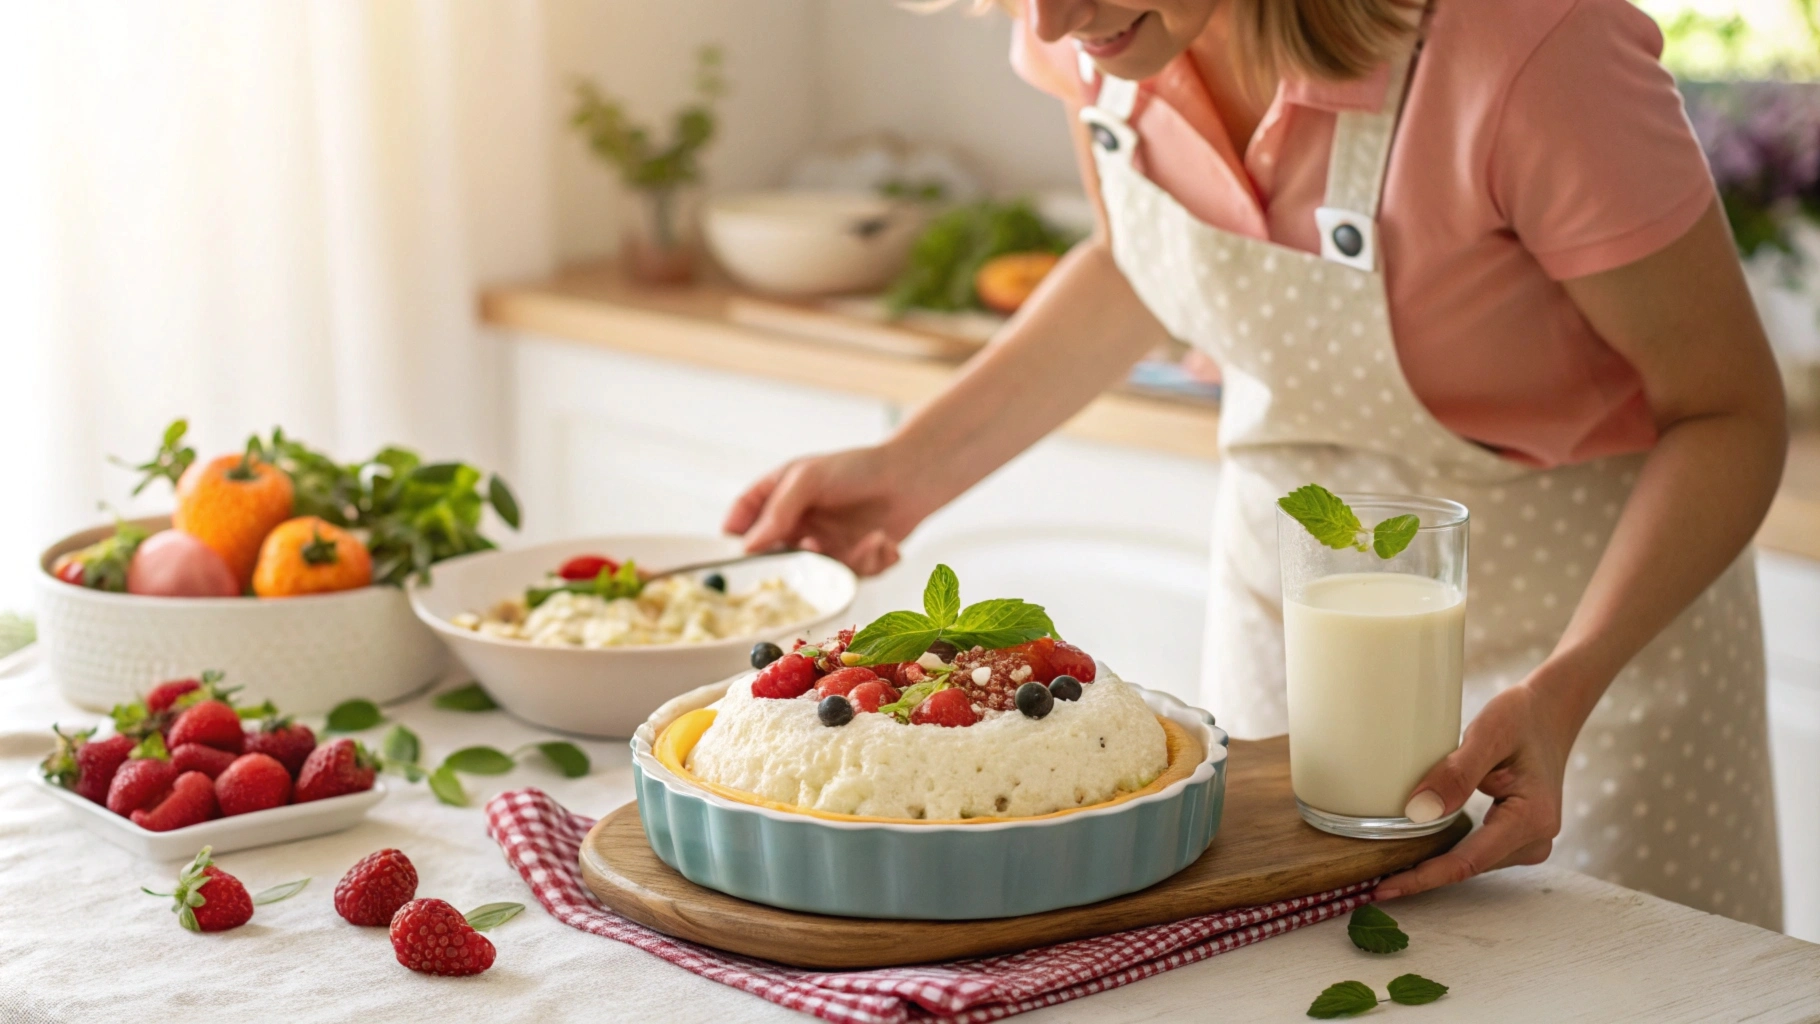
[{"x": 1791, "y": 628}]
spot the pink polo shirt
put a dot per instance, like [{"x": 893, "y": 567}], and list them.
[{"x": 1541, "y": 140}]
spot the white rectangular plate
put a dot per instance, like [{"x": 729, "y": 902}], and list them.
[{"x": 240, "y": 832}]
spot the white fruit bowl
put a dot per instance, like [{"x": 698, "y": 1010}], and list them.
[
  {"x": 304, "y": 654},
  {"x": 812, "y": 243},
  {"x": 240, "y": 832},
  {"x": 610, "y": 691}
]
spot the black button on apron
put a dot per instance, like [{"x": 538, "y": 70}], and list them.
[
  {"x": 1103, "y": 137},
  {"x": 1348, "y": 240}
]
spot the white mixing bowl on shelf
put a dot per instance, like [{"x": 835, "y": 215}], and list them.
[{"x": 812, "y": 243}]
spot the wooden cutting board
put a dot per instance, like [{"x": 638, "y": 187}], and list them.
[{"x": 1264, "y": 852}]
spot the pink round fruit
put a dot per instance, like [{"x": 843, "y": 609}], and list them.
[{"x": 171, "y": 563}]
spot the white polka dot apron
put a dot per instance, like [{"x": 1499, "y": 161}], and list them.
[{"x": 1668, "y": 787}]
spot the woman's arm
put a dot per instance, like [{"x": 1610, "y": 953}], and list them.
[
  {"x": 1685, "y": 320},
  {"x": 1078, "y": 334}
]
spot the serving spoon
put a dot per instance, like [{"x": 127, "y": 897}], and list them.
[{"x": 719, "y": 563}]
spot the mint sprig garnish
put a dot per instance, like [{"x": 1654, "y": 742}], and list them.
[
  {"x": 1374, "y": 931},
  {"x": 1333, "y": 523},
  {"x": 903, "y": 635}
]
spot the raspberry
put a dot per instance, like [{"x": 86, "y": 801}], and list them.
[
  {"x": 951, "y": 708},
  {"x": 870, "y": 696},
  {"x": 789, "y": 676},
  {"x": 375, "y": 887},
  {"x": 432, "y": 937},
  {"x": 843, "y": 681}
]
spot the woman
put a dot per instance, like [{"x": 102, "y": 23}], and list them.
[{"x": 1471, "y": 251}]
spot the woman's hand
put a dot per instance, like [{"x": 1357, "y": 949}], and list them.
[
  {"x": 1515, "y": 751},
  {"x": 854, "y": 506}
]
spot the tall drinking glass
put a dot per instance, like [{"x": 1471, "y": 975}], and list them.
[{"x": 1374, "y": 656}]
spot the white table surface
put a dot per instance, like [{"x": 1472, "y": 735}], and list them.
[{"x": 79, "y": 942}]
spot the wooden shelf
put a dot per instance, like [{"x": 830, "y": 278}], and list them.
[{"x": 596, "y": 305}]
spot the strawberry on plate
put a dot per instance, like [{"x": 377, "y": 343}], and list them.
[
  {"x": 163, "y": 697},
  {"x": 254, "y": 782},
  {"x": 195, "y": 757},
  {"x": 432, "y": 937},
  {"x": 290, "y": 742},
  {"x": 189, "y": 801},
  {"x": 139, "y": 783},
  {"x": 336, "y": 768},
  {"x": 86, "y": 765},
  {"x": 211, "y": 723},
  {"x": 375, "y": 887}
]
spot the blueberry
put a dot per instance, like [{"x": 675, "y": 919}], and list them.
[
  {"x": 834, "y": 710},
  {"x": 764, "y": 653},
  {"x": 715, "y": 581},
  {"x": 944, "y": 650},
  {"x": 1035, "y": 700},
  {"x": 1065, "y": 688}
]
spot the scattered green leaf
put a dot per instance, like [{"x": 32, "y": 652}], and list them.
[
  {"x": 402, "y": 746},
  {"x": 472, "y": 697},
  {"x": 478, "y": 761},
  {"x": 447, "y": 787},
  {"x": 1374, "y": 931},
  {"x": 1343, "y": 999},
  {"x": 492, "y": 915},
  {"x": 568, "y": 758},
  {"x": 1414, "y": 990},
  {"x": 500, "y": 497},
  {"x": 279, "y": 892},
  {"x": 354, "y": 716}
]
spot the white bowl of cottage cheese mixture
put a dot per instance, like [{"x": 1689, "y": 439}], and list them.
[{"x": 598, "y": 665}]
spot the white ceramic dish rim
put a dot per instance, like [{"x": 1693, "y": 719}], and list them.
[
  {"x": 813, "y": 208},
  {"x": 447, "y": 628},
  {"x": 271, "y": 816},
  {"x": 1213, "y": 739}
]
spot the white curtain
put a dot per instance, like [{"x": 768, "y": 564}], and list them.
[{"x": 254, "y": 212}]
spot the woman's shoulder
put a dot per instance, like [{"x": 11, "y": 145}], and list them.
[{"x": 1487, "y": 46}]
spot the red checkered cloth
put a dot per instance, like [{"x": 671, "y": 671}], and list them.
[{"x": 543, "y": 841}]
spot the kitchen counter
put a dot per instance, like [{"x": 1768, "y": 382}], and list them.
[
  {"x": 694, "y": 325},
  {"x": 78, "y": 941}
]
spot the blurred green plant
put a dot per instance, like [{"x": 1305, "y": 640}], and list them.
[
  {"x": 16, "y": 631},
  {"x": 1757, "y": 39},
  {"x": 952, "y": 249}
]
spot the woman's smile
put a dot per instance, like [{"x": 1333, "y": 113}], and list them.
[{"x": 1103, "y": 46}]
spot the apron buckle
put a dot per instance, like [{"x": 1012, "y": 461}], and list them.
[{"x": 1347, "y": 237}]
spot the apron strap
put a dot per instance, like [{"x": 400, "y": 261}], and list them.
[{"x": 1347, "y": 219}]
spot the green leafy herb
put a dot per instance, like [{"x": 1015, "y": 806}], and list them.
[
  {"x": 1333, "y": 523},
  {"x": 353, "y": 716},
  {"x": 103, "y": 564},
  {"x": 500, "y": 497},
  {"x": 472, "y": 697},
  {"x": 609, "y": 585},
  {"x": 402, "y": 746},
  {"x": 1414, "y": 990},
  {"x": 1374, "y": 931},
  {"x": 152, "y": 748},
  {"x": 447, "y": 787},
  {"x": 279, "y": 892},
  {"x": 568, "y": 758},
  {"x": 479, "y": 761},
  {"x": 16, "y": 632},
  {"x": 169, "y": 462},
  {"x": 1343, "y": 999},
  {"x": 492, "y": 915},
  {"x": 949, "y": 253},
  {"x": 255, "y": 712},
  {"x": 904, "y": 635},
  {"x": 913, "y": 695}
]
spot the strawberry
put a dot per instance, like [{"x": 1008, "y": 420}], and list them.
[
  {"x": 288, "y": 741},
  {"x": 871, "y": 695},
  {"x": 254, "y": 782},
  {"x": 189, "y": 801},
  {"x": 208, "y": 899},
  {"x": 789, "y": 676},
  {"x": 334, "y": 769},
  {"x": 843, "y": 681},
  {"x": 587, "y": 567},
  {"x": 951, "y": 708},
  {"x": 432, "y": 937},
  {"x": 140, "y": 782},
  {"x": 194, "y": 757},
  {"x": 85, "y": 764},
  {"x": 163, "y": 697},
  {"x": 375, "y": 887},
  {"x": 211, "y": 723}
]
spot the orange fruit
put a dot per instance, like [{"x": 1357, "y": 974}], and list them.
[
  {"x": 1004, "y": 282},
  {"x": 230, "y": 503},
  {"x": 308, "y": 555}
]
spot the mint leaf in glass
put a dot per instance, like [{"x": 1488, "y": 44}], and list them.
[
  {"x": 1391, "y": 536},
  {"x": 1414, "y": 990},
  {"x": 1324, "y": 515},
  {"x": 1343, "y": 999},
  {"x": 1374, "y": 931}
]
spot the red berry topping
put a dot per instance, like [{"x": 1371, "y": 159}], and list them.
[
  {"x": 254, "y": 782},
  {"x": 1049, "y": 658},
  {"x": 830, "y": 661},
  {"x": 86, "y": 765},
  {"x": 139, "y": 783},
  {"x": 289, "y": 742},
  {"x": 586, "y": 567},
  {"x": 209, "y": 899},
  {"x": 432, "y": 937},
  {"x": 336, "y": 768},
  {"x": 789, "y": 676},
  {"x": 189, "y": 801},
  {"x": 194, "y": 757},
  {"x": 375, "y": 887},
  {"x": 843, "y": 681},
  {"x": 164, "y": 695},
  {"x": 211, "y": 723},
  {"x": 951, "y": 708},
  {"x": 871, "y": 696},
  {"x": 1069, "y": 660}
]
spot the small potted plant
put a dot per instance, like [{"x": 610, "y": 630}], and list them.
[{"x": 658, "y": 246}]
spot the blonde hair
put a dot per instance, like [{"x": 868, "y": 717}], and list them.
[{"x": 1331, "y": 39}]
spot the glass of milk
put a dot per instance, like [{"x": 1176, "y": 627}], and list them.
[{"x": 1373, "y": 653}]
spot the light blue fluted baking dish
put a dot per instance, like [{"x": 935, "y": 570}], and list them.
[{"x": 929, "y": 872}]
